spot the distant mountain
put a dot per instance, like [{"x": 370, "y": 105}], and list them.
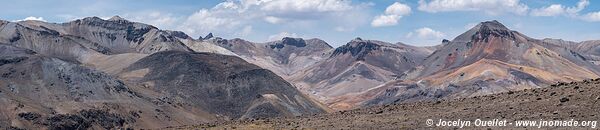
[
  {"x": 83, "y": 38},
  {"x": 95, "y": 73},
  {"x": 590, "y": 50},
  {"x": 317, "y": 69},
  {"x": 486, "y": 59},
  {"x": 116, "y": 74},
  {"x": 284, "y": 57},
  {"x": 357, "y": 67}
]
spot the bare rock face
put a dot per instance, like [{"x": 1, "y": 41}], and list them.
[
  {"x": 77, "y": 40},
  {"x": 123, "y": 36},
  {"x": 207, "y": 37},
  {"x": 487, "y": 59},
  {"x": 222, "y": 84},
  {"x": 284, "y": 57},
  {"x": 355, "y": 68},
  {"x": 588, "y": 50}
]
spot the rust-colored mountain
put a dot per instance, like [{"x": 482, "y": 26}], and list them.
[{"x": 486, "y": 59}]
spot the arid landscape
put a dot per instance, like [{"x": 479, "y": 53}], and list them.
[
  {"x": 562, "y": 101},
  {"x": 208, "y": 70}
]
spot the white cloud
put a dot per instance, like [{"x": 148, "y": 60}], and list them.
[
  {"x": 206, "y": 21},
  {"x": 273, "y": 20},
  {"x": 159, "y": 19},
  {"x": 247, "y": 30},
  {"x": 32, "y": 18},
  {"x": 492, "y": 7},
  {"x": 592, "y": 17},
  {"x": 281, "y": 35},
  {"x": 392, "y": 14},
  {"x": 286, "y": 6},
  {"x": 426, "y": 33},
  {"x": 552, "y": 10},
  {"x": 232, "y": 16},
  {"x": 397, "y": 9},
  {"x": 385, "y": 20},
  {"x": 344, "y": 29},
  {"x": 572, "y": 12},
  {"x": 580, "y": 6},
  {"x": 558, "y": 9}
]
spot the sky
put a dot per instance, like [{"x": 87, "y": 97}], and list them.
[{"x": 413, "y": 22}]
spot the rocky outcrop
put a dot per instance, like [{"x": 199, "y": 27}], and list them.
[
  {"x": 207, "y": 37},
  {"x": 284, "y": 57},
  {"x": 357, "y": 48}
]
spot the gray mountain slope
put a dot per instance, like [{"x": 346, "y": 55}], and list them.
[
  {"x": 91, "y": 55},
  {"x": 222, "y": 84},
  {"x": 284, "y": 57},
  {"x": 39, "y": 92},
  {"x": 356, "y": 67},
  {"x": 590, "y": 50}
]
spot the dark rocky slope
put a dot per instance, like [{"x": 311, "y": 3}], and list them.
[
  {"x": 284, "y": 57},
  {"x": 38, "y": 92},
  {"x": 220, "y": 84}
]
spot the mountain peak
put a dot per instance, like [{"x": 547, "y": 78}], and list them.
[
  {"x": 357, "y": 39},
  {"x": 298, "y": 42},
  {"x": 484, "y": 30},
  {"x": 116, "y": 18},
  {"x": 492, "y": 25},
  {"x": 358, "y": 48},
  {"x": 208, "y": 36}
]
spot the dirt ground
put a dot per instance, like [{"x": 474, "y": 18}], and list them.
[{"x": 564, "y": 101}]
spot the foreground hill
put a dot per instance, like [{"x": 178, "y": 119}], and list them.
[{"x": 564, "y": 101}]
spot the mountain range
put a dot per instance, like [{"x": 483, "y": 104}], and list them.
[
  {"x": 114, "y": 73},
  {"x": 96, "y": 73}
]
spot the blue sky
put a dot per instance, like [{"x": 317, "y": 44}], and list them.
[{"x": 415, "y": 22}]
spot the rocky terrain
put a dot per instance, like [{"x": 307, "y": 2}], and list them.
[
  {"x": 225, "y": 85},
  {"x": 357, "y": 67},
  {"x": 327, "y": 74},
  {"x": 564, "y": 101},
  {"x": 487, "y": 59},
  {"x": 285, "y": 57},
  {"x": 45, "y": 92},
  {"x": 93, "y": 73}
]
